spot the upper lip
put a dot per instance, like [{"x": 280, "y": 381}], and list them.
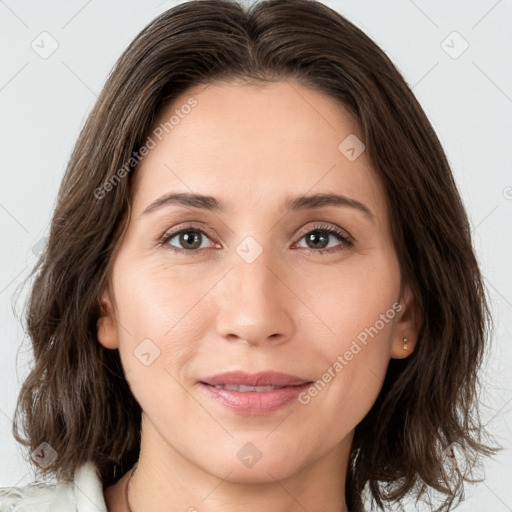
[{"x": 267, "y": 378}]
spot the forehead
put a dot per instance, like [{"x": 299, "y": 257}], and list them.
[{"x": 254, "y": 143}]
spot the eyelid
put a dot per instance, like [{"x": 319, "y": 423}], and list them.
[
  {"x": 187, "y": 226},
  {"x": 321, "y": 226}
]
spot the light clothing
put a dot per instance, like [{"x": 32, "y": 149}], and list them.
[{"x": 83, "y": 494}]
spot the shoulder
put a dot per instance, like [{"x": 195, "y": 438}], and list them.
[{"x": 84, "y": 494}]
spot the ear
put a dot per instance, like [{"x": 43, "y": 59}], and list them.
[
  {"x": 107, "y": 324},
  {"x": 407, "y": 324}
]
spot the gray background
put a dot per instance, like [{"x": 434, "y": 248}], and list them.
[{"x": 466, "y": 94}]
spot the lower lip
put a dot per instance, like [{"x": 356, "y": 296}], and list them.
[{"x": 254, "y": 403}]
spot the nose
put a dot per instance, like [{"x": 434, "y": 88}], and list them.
[{"x": 255, "y": 305}]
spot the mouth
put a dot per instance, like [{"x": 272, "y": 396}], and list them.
[{"x": 254, "y": 394}]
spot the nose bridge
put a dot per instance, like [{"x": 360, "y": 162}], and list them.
[
  {"x": 253, "y": 274},
  {"x": 255, "y": 278},
  {"x": 253, "y": 257}
]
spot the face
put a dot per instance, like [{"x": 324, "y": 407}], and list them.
[{"x": 262, "y": 283}]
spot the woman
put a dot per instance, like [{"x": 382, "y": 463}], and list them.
[{"x": 259, "y": 290}]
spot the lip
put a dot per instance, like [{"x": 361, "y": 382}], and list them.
[
  {"x": 265, "y": 378},
  {"x": 254, "y": 403}
]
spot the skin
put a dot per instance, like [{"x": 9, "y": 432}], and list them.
[{"x": 289, "y": 310}]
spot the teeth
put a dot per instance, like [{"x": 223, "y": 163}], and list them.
[{"x": 244, "y": 389}]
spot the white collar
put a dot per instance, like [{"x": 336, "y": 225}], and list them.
[
  {"x": 83, "y": 494},
  {"x": 88, "y": 489}
]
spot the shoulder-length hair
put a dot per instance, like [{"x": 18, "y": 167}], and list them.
[{"x": 76, "y": 397}]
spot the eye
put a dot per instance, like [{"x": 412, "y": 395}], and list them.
[
  {"x": 190, "y": 238},
  {"x": 317, "y": 239}
]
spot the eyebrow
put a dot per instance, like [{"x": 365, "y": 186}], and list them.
[{"x": 299, "y": 203}]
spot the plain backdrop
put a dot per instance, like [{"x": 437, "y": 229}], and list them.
[{"x": 457, "y": 57}]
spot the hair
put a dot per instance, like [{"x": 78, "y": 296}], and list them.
[{"x": 76, "y": 398}]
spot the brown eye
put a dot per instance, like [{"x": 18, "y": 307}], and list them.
[
  {"x": 317, "y": 239},
  {"x": 188, "y": 239}
]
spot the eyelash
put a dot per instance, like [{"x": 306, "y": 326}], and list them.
[{"x": 347, "y": 241}]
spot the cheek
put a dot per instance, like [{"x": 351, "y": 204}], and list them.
[
  {"x": 160, "y": 325},
  {"x": 350, "y": 300},
  {"x": 357, "y": 318},
  {"x": 160, "y": 302}
]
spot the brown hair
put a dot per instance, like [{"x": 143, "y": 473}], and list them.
[{"x": 76, "y": 397}]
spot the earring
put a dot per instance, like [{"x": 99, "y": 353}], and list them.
[{"x": 405, "y": 343}]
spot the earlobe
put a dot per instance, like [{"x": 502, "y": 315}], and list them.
[
  {"x": 406, "y": 326},
  {"x": 106, "y": 324},
  {"x": 402, "y": 348}
]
